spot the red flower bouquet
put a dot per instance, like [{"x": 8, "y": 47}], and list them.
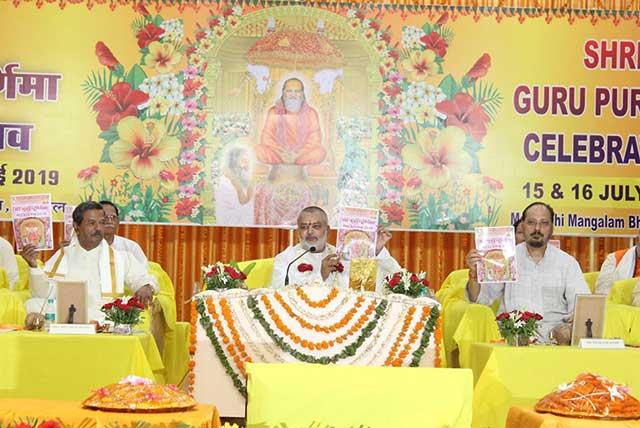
[
  {"x": 224, "y": 277},
  {"x": 121, "y": 312},
  {"x": 517, "y": 327},
  {"x": 409, "y": 284}
]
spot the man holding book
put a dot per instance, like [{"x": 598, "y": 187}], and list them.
[
  {"x": 548, "y": 278},
  {"x": 314, "y": 259},
  {"x": 89, "y": 258}
]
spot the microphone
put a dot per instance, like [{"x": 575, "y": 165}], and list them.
[{"x": 286, "y": 277}]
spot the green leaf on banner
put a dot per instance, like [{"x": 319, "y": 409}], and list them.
[
  {"x": 110, "y": 136},
  {"x": 158, "y": 20},
  {"x": 105, "y": 157},
  {"x": 449, "y": 86},
  {"x": 135, "y": 76},
  {"x": 426, "y": 28},
  {"x": 148, "y": 196}
]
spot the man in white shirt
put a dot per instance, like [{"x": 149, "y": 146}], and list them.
[
  {"x": 322, "y": 262},
  {"x": 619, "y": 265},
  {"x": 8, "y": 261},
  {"x": 89, "y": 258},
  {"x": 548, "y": 278},
  {"x": 110, "y": 229}
]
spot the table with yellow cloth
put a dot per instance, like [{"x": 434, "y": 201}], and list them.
[
  {"x": 526, "y": 417},
  {"x": 70, "y": 414},
  {"x": 506, "y": 376},
  {"x": 69, "y": 367}
]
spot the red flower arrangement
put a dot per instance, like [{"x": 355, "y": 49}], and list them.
[
  {"x": 121, "y": 312},
  {"x": 223, "y": 277},
  {"x": 120, "y": 102},
  {"x": 409, "y": 284},
  {"x": 518, "y": 324}
]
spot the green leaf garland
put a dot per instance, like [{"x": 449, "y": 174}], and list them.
[{"x": 428, "y": 330}]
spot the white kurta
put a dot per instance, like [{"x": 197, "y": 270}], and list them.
[
  {"x": 121, "y": 243},
  {"x": 548, "y": 287},
  {"x": 83, "y": 265},
  {"x": 387, "y": 265},
  {"x": 8, "y": 261},
  {"x": 610, "y": 272},
  {"x": 229, "y": 210}
]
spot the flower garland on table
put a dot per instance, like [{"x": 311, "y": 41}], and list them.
[
  {"x": 362, "y": 329},
  {"x": 320, "y": 303},
  {"x": 192, "y": 349},
  {"x": 207, "y": 325},
  {"x": 348, "y": 351}
]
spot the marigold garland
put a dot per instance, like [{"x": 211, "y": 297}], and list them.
[
  {"x": 319, "y": 328},
  {"x": 320, "y": 303},
  {"x": 429, "y": 328},
  {"x": 192, "y": 348},
  {"x": 207, "y": 325},
  {"x": 417, "y": 328},
  {"x": 348, "y": 351},
  {"x": 241, "y": 358}
]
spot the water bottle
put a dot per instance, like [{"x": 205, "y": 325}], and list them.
[{"x": 50, "y": 313}]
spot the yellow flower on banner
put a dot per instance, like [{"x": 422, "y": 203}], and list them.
[
  {"x": 143, "y": 147},
  {"x": 158, "y": 105},
  {"x": 420, "y": 65},
  {"x": 162, "y": 56},
  {"x": 438, "y": 156}
]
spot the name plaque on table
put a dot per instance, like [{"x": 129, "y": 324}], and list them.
[
  {"x": 601, "y": 343},
  {"x": 72, "y": 329}
]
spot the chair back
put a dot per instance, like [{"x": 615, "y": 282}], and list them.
[
  {"x": 622, "y": 291},
  {"x": 591, "y": 278},
  {"x": 310, "y": 395},
  {"x": 260, "y": 275}
]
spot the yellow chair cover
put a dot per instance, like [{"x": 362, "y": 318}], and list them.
[
  {"x": 12, "y": 309},
  {"x": 621, "y": 319},
  {"x": 260, "y": 275},
  {"x": 312, "y": 395},
  {"x": 591, "y": 278}
]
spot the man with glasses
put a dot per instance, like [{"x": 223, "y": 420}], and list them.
[
  {"x": 318, "y": 259},
  {"x": 110, "y": 229},
  {"x": 548, "y": 278}
]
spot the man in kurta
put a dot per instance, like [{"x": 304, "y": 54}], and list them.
[
  {"x": 90, "y": 259},
  {"x": 619, "y": 265},
  {"x": 548, "y": 278},
  {"x": 110, "y": 229},
  {"x": 321, "y": 261},
  {"x": 291, "y": 133}
]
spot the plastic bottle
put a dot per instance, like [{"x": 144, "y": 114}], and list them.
[{"x": 50, "y": 313}]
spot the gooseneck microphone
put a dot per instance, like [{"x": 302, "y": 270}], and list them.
[{"x": 286, "y": 277}]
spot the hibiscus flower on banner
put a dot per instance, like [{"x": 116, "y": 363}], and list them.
[
  {"x": 150, "y": 125},
  {"x": 435, "y": 124}
]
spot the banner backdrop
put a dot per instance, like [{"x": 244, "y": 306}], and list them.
[{"x": 243, "y": 115}]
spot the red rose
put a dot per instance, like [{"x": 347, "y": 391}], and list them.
[
  {"x": 305, "y": 267},
  {"x": 121, "y": 101},
  {"x": 502, "y": 316},
  {"x": 414, "y": 278},
  {"x": 395, "y": 280},
  {"x": 426, "y": 282},
  {"x": 107, "y": 306},
  {"x": 466, "y": 114},
  {"x": 49, "y": 424},
  {"x": 149, "y": 33},
  {"x": 480, "y": 68},
  {"x": 105, "y": 57},
  {"x": 436, "y": 43},
  {"x": 340, "y": 267},
  {"x": 538, "y": 317}
]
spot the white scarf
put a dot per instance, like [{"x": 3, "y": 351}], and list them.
[{"x": 109, "y": 260}]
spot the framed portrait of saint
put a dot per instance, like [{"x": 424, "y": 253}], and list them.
[
  {"x": 71, "y": 302},
  {"x": 588, "y": 317}
]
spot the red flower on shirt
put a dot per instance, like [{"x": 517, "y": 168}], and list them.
[
  {"x": 340, "y": 267},
  {"x": 305, "y": 267}
]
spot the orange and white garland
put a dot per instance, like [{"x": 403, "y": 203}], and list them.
[{"x": 318, "y": 324}]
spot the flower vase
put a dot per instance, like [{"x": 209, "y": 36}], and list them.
[
  {"x": 123, "y": 329},
  {"x": 518, "y": 340}
]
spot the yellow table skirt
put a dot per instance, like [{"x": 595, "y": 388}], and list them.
[
  {"x": 69, "y": 367},
  {"x": 526, "y": 417},
  {"x": 70, "y": 414},
  {"x": 508, "y": 376}
]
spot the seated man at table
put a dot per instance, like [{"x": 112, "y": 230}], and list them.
[
  {"x": 8, "y": 261},
  {"x": 89, "y": 258},
  {"x": 621, "y": 264},
  {"x": 325, "y": 264},
  {"x": 110, "y": 229},
  {"x": 548, "y": 278}
]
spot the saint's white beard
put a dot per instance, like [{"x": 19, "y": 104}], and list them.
[{"x": 293, "y": 105}]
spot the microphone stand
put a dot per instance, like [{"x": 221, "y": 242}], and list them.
[{"x": 286, "y": 277}]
